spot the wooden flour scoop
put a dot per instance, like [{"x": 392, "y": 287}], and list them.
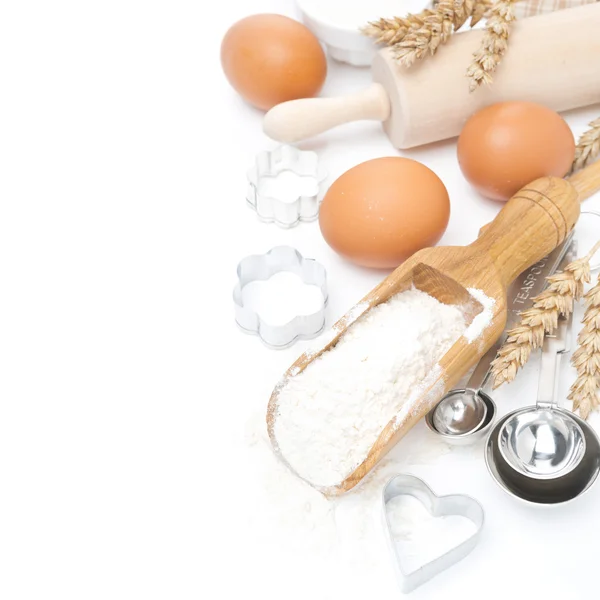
[{"x": 536, "y": 220}]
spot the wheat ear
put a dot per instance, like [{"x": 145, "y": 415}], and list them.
[
  {"x": 558, "y": 298},
  {"x": 493, "y": 45},
  {"x": 391, "y": 31},
  {"x": 415, "y": 36},
  {"x": 586, "y": 359},
  {"x": 437, "y": 29},
  {"x": 588, "y": 146}
]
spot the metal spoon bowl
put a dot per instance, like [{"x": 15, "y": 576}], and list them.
[
  {"x": 478, "y": 434},
  {"x": 459, "y": 413},
  {"x": 545, "y": 491},
  {"x": 541, "y": 443}
]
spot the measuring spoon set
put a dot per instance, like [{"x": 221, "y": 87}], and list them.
[{"x": 542, "y": 454}]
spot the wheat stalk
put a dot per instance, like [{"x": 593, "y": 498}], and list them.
[
  {"x": 418, "y": 35},
  {"x": 391, "y": 31},
  {"x": 493, "y": 45},
  {"x": 586, "y": 359},
  {"x": 463, "y": 10},
  {"x": 564, "y": 288},
  {"x": 437, "y": 29},
  {"x": 415, "y": 36},
  {"x": 588, "y": 146}
]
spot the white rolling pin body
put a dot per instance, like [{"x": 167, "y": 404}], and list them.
[{"x": 553, "y": 59}]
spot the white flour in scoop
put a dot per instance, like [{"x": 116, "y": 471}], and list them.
[
  {"x": 484, "y": 318},
  {"x": 330, "y": 415}
]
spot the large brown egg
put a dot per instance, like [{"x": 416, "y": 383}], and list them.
[
  {"x": 507, "y": 145},
  {"x": 380, "y": 212},
  {"x": 270, "y": 59}
]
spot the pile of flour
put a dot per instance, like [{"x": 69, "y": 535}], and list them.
[{"x": 330, "y": 415}]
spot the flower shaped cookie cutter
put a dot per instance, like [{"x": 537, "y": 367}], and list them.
[
  {"x": 261, "y": 267},
  {"x": 438, "y": 506},
  {"x": 273, "y": 206}
]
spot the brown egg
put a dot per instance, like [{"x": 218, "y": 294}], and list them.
[
  {"x": 270, "y": 59},
  {"x": 380, "y": 212},
  {"x": 507, "y": 145}
]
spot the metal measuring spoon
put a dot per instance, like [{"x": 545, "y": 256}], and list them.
[
  {"x": 546, "y": 492},
  {"x": 539, "y": 441},
  {"x": 459, "y": 414}
]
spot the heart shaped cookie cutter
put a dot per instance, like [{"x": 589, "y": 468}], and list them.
[{"x": 438, "y": 506}]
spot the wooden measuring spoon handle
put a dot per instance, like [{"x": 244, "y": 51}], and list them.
[
  {"x": 297, "y": 120},
  {"x": 587, "y": 181},
  {"x": 531, "y": 224}
]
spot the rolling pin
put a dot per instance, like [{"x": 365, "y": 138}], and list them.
[{"x": 553, "y": 59}]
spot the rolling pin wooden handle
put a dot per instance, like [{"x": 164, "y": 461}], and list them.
[
  {"x": 300, "y": 119},
  {"x": 531, "y": 224}
]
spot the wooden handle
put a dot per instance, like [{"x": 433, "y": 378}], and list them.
[
  {"x": 532, "y": 223},
  {"x": 299, "y": 119},
  {"x": 587, "y": 181}
]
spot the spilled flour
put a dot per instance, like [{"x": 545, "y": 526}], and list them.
[
  {"x": 330, "y": 415},
  {"x": 346, "y": 530}
]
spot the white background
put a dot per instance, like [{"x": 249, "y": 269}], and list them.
[{"x": 125, "y": 387}]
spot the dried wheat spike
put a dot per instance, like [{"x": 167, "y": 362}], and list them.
[
  {"x": 586, "y": 359},
  {"x": 559, "y": 297},
  {"x": 588, "y": 146},
  {"x": 391, "y": 31},
  {"x": 446, "y": 16},
  {"x": 493, "y": 46},
  {"x": 481, "y": 10},
  {"x": 417, "y": 35},
  {"x": 463, "y": 10}
]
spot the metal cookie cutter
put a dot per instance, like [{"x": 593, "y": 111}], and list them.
[
  {"x": 261, "y": 267},
  {"x": 286, "y": 211},
  {"x": 438, "y": 506}
]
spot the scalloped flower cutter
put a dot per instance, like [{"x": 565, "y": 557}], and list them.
[
  {"x": 274, "y": 204},
  {"x": 438, "y": 506},
  {"x": 261, "y": 267}
]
